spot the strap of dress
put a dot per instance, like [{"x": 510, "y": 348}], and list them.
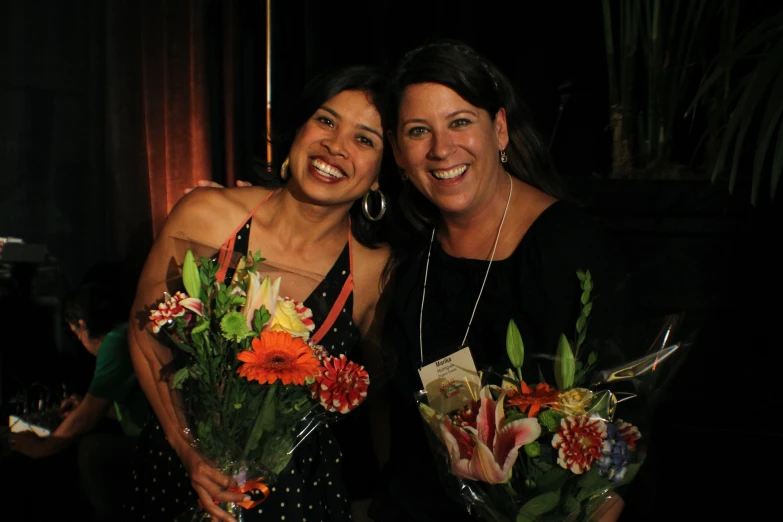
[
  {"x": 227, "y": 248},
  {"x": 339, "y": 303}
]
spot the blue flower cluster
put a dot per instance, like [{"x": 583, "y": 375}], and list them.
[{"x": 613, "y": 464}]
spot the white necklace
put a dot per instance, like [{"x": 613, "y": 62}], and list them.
[{"x": 475, "y": 306}]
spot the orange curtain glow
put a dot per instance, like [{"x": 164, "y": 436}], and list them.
[{"x": 176, "y": 119}]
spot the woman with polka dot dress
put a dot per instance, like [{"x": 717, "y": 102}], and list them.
[{"x": 321, "y": 215}]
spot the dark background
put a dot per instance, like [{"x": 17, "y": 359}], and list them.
[{"x": 67, "y": 180}]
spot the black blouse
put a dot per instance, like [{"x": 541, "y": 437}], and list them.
[{"x": 537, "y": 286}]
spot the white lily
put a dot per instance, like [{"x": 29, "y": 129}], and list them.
[{"x": 260, "y": 293}]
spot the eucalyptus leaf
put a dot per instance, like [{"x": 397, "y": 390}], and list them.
[
  {"x": 587, "y": 308},
  {"x": 581, "y": 322}
]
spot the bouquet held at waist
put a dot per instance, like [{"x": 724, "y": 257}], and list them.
[{"x": 251, "y": 381}]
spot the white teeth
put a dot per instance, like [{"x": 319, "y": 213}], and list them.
[
  {"x": 451, "y": 173},
  {"x": 326, "y": 169}
]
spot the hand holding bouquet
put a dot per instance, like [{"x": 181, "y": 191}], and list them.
[
  {"x": 526, "y": 452},
  {"x": 251, "y": 381}
]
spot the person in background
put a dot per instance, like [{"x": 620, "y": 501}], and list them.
[{"x": 105, "y": 449}]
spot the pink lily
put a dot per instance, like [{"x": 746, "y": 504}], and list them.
[
  {"x": 487, "y": 453},
  {"x": 194, "y": 305},
  {"x": 260, "y": 292}
]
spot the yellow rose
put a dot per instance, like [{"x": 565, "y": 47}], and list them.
[
  {"x": 292, "y": 317},
  {"x": 576, "y": 401}
]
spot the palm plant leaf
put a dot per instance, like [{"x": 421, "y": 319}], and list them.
[{"x": 753, "y": 70}]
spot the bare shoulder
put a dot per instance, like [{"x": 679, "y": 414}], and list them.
[{"x": 210, "y": 214}]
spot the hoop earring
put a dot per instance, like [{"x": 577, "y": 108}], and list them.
[
  {"x": 403, "y": 174},
  {"x": 503, "y": 156},
  {"x": 366, "y": 206},
  {"x": 284, "y": 169}
]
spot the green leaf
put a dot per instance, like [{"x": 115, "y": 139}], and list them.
[
  {"x": 190, "y": 277},
  {"x": 552, "y": 480},
  {"x": 182, "y": 346},
  {"x": 588, "y": 307},
  {"x": 565, "y": 367},
  {"x": 581, "y": 322},
  {"x": 260, "y": 318},
  {"x": 585, "y": 297},
  {"x": 591, "y": 479},
  {"x": 581, "y": 275},
  {"x": 539, "y": 505},
  {"x": 581, "y": 339},
  {"x": 265, "y": 418},
  {"x": 592, "y": 358},
  {"x": 202, "y": 326},
  {"x": 514, "y": 345},
  {"x": 179, "y": 378}
]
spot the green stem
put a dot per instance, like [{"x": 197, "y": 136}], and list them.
[{"x": 265, "y": 416}]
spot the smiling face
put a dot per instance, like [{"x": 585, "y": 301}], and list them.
[
  {"x": 336, "y": 155},
  {"x": 449, "y": 148}
]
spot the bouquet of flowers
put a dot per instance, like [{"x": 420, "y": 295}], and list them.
[
  {"x": 251, "y": 382},
  {"x": 525, "y": 452}
]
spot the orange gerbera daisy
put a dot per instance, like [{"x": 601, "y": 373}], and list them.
[
  {"x": 535, "y": 399},
  {"x": 278, "y": 355}
]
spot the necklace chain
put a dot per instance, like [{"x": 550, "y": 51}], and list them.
[{"x": 475, "y": 306}]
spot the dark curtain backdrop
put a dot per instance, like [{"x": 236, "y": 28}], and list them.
[{"x": 111, "y": 109}]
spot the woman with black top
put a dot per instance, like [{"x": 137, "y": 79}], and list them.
[
  {"x": 493, "y": 239},
  {"x": 309, "y": 220}
]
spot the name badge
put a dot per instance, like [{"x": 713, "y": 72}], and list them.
[{"x": 451, "y": 382}]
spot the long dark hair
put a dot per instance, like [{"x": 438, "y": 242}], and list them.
[
  {"x": 322, "y": 87},
  {"x": 458, "y": 66}
]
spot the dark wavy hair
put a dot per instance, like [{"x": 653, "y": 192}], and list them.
[
  {"x": 458, "y": 66},
  {"x": 374, "y": 83}
]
